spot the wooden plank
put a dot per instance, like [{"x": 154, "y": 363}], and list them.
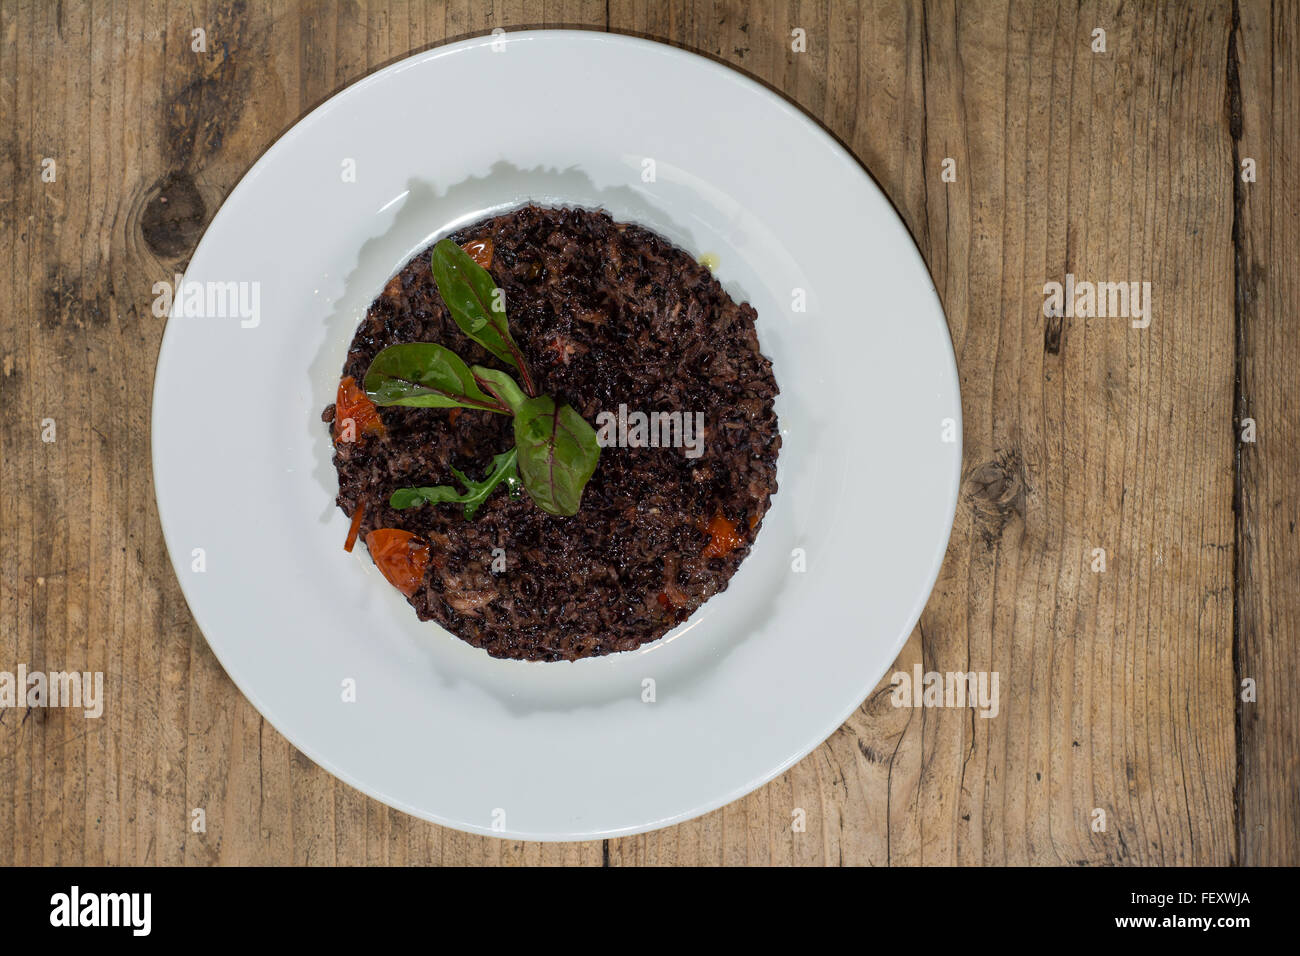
[{"x": 1265, "y": 109}]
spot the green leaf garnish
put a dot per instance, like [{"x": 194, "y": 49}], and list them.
[
  {"x": 555, "y": 451},
  {"x": 425, "y": 375},
  {"x": 502, "y": 471},
  {"x": 476, "y": 303},
  {"x": 500, "y": 386},
  {"x": 558, "y": 452}
]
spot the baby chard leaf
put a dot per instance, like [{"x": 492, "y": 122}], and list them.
[
  {"x": 502, "y": 470},
  {"x": 500, "y": 386},
  {"x": 476, "y": 304},
  {"x": 557, "y": 454},
  {"x": 426, "y": 375}
]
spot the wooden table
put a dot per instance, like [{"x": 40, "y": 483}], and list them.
[{"x": 1120, "y": 689}]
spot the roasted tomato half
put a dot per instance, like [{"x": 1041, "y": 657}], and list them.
[
  {"x": 400, "y": 556},
  {"x": 353, "y": 405},
  {"x": 722, "y": 537},
  {"x": 480, "y": 250}
]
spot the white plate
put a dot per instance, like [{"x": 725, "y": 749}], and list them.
[{"x": 764, "y": 672}]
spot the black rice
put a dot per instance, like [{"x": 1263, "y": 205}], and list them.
[{"x": 607, "y": 314}]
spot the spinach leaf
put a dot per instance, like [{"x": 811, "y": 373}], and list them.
[
  {"x": 476, "y": 304},
  {"x": 502, "y": 471},
  {"x": 557, "y": 454},
  {"x": 426, "y": 375},
  {"x": 555, "y": 451}
]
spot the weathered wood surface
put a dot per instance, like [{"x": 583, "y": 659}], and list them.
[
  {"x": 1265, "y": 126},
  {"x": 1119, "y": 688}
]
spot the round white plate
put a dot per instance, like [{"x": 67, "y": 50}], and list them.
[{"x": 844, "y": 562}]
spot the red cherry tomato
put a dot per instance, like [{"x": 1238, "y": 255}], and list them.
[
  {"x": 480, "y": 250},
  {"x": 400, "y": 556},
  {"x": 353, "y": 405},
  {"x": 722, "y": 537}
]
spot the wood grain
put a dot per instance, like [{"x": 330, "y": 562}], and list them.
[
  {"x": 1265, "y": 125},
  {"x": 1118, "y": 688}
]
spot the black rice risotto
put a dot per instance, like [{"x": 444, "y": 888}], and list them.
[{"x": 608, "y": 315}]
